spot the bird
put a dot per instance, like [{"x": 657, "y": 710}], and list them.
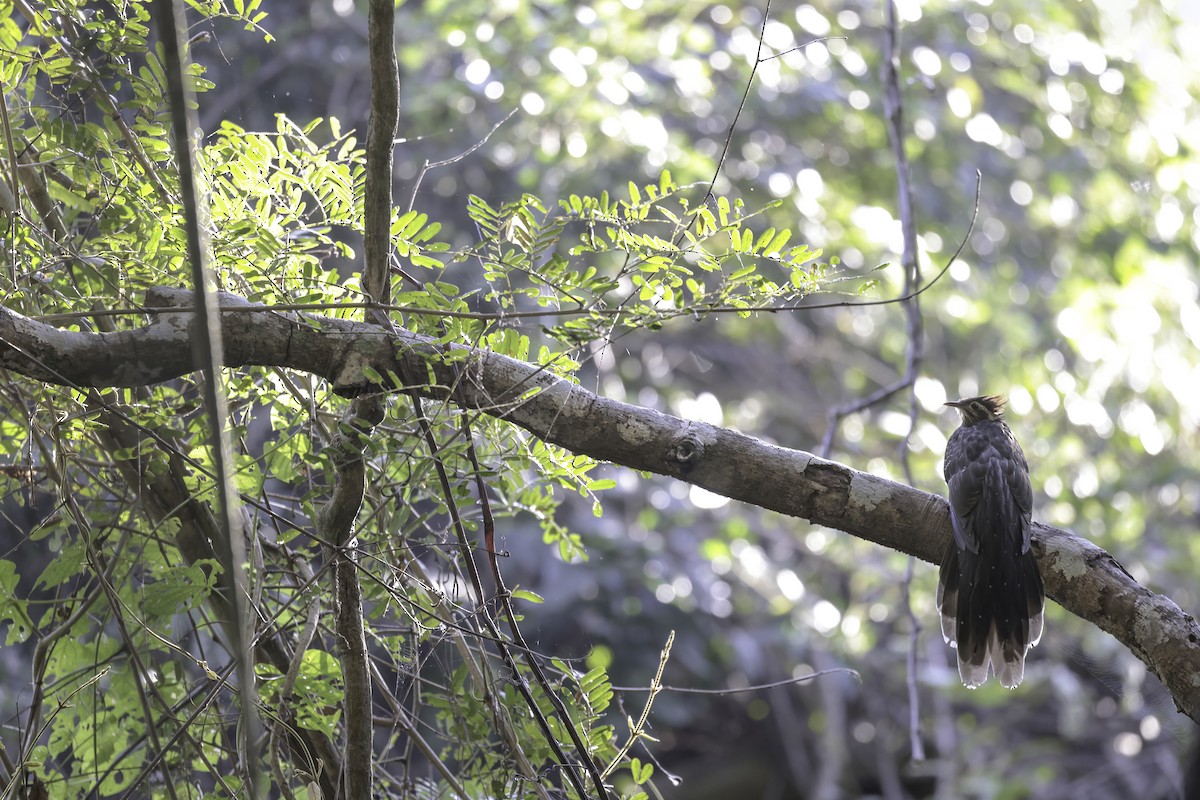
[{"x": 990, "y": 594}]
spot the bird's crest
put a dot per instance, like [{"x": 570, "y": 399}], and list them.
[{"x": 980, "y": 409}]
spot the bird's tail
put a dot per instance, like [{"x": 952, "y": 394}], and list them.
[{"x": 992, "y": 612}]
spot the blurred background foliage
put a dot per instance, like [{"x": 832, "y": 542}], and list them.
[{"x": 1076, "y": 295}]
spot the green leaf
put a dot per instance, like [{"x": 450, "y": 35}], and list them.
[
  {"x": 13, "y": 609},
  {"x": 738, "y": 274},
  {"x": 747, "y": 243},
  {"x": 178, "y": 588},
  {"x": 763, "y": 240},
  {"x": 778, "y": 243},
  {"x": 419, "y": 260},
  {"x": 525, "y": 594}
]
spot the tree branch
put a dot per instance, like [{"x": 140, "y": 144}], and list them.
[{"x": 1081, "y": 577}]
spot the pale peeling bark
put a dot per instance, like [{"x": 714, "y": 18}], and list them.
[{"x": 1084, "y": 579}]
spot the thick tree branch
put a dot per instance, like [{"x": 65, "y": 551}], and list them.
[{"x": 1084, "y": 579}]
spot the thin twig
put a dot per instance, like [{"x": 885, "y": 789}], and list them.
[
  {"x": 753, "y": 688},
  {"x": 445, "y": 162},
  {"x": 151, "y": 764},
  {"x": 636, "y": 728},
  {"x": 56, "y": 463},
  {"x": 759, "y": 59},
  {"x": 476, "y": 669},
  {"x": 252, "y": 308},
  {"x": 489, "y": 538},
  {"x": 477, "y": 585},
  {"x": 880, "y": 395},
  {"x": 503, "y": 594},
  {"x": 400, "y": 717},
  {"x": 894, "y": 111}
]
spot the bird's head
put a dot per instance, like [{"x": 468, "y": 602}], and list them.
[{"x": 979, "y": 409}]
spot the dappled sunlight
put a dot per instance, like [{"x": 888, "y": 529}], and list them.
[{"x": 702, "y": 498}]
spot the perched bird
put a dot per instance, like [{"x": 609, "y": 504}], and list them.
[{"x": 989, "y": 589}]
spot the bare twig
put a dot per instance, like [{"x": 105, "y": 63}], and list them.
[
  {"x": 445, "y": 162},
  {"x": 56, "y": 463},
  {"x": 400, "y": 717},
  {"x": 136, "y": 785},
  {"x": 791, "y": 727},
  {"x": 484, "y": 615},
  {"x": 635, "y": 730},
  {"x": 489, "y": 538},
  {"x": 757, "y": 687},
  {"x": 759, "y": 60},
  {"x": 474, "y": 666},
  {"x": 64, "y": 703},
  {"x": 831, "y": 740},
  {"x": 894, "y": 111},
  {"x": 894, "y": 117},
  {"x": 885, "y": 393},
  {"x": 502, "y": 592}
]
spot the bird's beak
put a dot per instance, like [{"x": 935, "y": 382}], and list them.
[{"x": 953, "y": 403}]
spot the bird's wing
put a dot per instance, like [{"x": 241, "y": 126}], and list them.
[
  {"x": 966, "y": 482},
  {"x": 1016, "y": 478}
]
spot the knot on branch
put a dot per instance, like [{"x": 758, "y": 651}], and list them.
[
  {"x": 687, "y": 452},
  {"x": 350, "y": 380},
  {"x": 830, "y": 487}
]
